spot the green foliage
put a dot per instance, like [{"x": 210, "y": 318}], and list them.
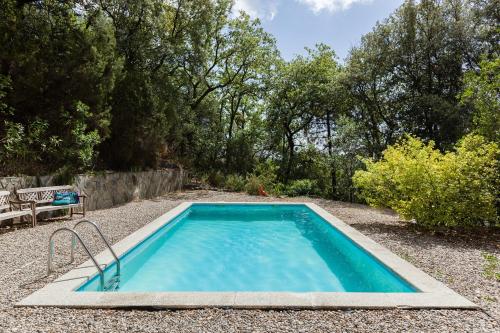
[
  {"x": 24, "y": 148},
  {"x": 81, "y": 148},
  {"x": 153, "y": 75},
  {"x": 64, "y": 176},
  {"x": 347, "y": 146},
  {"x": 482, "y": 91},
  {"x": 235, "y": 183},
  {"x": 56, "y": 110},
  {"x": 240, "y": 151},
  {"x": 491, "y": 268},
  {"x": 299, "y": 94},
  {"x": 406, "y": 74},
  {"x": 279, "y": 189},
  {"x": 312, "y": 163},
  {"x": 456, "y": 188},
  {"x": 4, "y": 88},
  {"x": 136, "y": 137},
  {"x": 216, "y": 179},
  {"x": 253, "y": 185},
  {"x": 133, "y": 85},
  {"x": 265, "y": 175},
  {"x": 301, "y": 187}
]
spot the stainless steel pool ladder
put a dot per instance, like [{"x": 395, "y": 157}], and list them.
[
  {"x": 75, "y": 236},
  {"x": 73, "y": 244}
]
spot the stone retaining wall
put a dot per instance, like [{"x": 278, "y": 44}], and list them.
[{"x": 109, "y": 189}]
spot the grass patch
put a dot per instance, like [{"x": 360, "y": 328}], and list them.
[
  {"x": 490, "y": 299},
  {"x": 406, "y": 257},
  {"x": 491, "y": 268}
]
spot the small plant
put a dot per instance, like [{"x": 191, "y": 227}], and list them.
[
  {"x": 490, "y": 299},
  {"x": 491, "y": 268},
  {"x": 235, "y": 183},
  {"x": 406, "y": 256}
]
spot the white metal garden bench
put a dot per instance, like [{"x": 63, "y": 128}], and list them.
[
  {"x": 43, "y": 197},
  {"x": 8, "y": 212}
]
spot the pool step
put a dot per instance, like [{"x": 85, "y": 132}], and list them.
[{"x": 113, "y": 284}]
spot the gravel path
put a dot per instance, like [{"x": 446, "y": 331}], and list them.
[{"x": 456, "y": 260}]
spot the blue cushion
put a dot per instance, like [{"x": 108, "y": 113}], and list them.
[{"x": 65, "y": 198}]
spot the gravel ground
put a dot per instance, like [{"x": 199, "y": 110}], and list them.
[{"x": 457, "y": 260}]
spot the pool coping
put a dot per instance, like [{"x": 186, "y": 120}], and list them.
[{"x": 433, "y": 294}]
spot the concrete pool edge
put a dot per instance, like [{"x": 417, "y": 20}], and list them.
[{"x": 433, "y": 294}]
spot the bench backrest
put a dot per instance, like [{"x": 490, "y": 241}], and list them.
[
  {"x": 4, "y": 200},
  {"x": 41, "y": 194}
]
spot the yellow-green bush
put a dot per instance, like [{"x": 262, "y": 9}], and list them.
[{"x": 457, "y": 188}]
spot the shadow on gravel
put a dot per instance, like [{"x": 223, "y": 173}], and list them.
[
  {"x": 36, "y": 283},
  {"x": 481, "y": 239}
]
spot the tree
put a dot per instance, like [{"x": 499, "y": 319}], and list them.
[
  {"x": 144, "y": 99},
  {"x": 485, "y": 18},
  {"x": 482, "y": 90},
  {"x": 406, "y": 74},
  {"x": 223, "y": 71},
  {"x": 61, "y": 67},
  {"x": 373, "y": 89},
  {"x": 125, "y": 84},
  {"x": 300, "y": 94}
]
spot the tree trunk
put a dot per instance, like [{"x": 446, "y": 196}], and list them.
[
  {"x": 291, "y": 151},
  {"x": 333, "y": 174}
]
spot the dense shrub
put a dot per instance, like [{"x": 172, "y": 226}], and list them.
[
  {"x": 279, "y": 189},
  {"x": 235, "y": 183},
  {"x": 301, "y": 187},
  {"x": 419, "y": 182},
  {"x": 253, "y": 184},
  {"x": 216, "y": 179},
  {"x": 264, "y": 175},
  {"x": 313, "y": 164},
  {"x": 24, "y": 149}
]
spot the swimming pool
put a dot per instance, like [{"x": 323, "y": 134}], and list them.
[
  {"x": 247, "y": 247},
  {"x": 249, "y": 255}
]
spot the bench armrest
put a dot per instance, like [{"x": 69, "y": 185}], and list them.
[
  {"x": 32, "y": 203},
  {"x": 83, "y": 202}
]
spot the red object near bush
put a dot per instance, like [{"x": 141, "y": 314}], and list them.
[{"x": 262, "y": 192}]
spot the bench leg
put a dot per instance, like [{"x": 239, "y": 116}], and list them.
[
  {"x": 71, "y": 212},
  {"x": 33, "y": 214}
]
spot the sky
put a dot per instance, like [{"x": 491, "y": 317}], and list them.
[{"x": 303, "y": 23}]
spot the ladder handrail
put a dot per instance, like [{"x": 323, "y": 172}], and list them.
[
  {"x": 74, "y": 233},
  {"x": 73, "y": 243}
]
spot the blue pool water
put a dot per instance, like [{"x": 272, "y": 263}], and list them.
[{"x": 238, "y": 247}]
